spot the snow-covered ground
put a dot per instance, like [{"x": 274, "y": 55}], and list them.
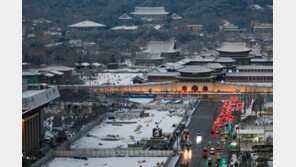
[
  {"x": 113, "y": 79},
  {"x": 129, "y": 133},
  {"x": 108, "y": 162},
  {"x": 141, "y": 100}
]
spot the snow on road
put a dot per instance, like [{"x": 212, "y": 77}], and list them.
[
  {"x": 129, "y": 133},
  {"x": 108, "y": 162}
]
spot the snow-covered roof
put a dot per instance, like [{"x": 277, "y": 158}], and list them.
[
  {"x": 32, "y": 99},
  {"x": 250, "y": 131},
  {"x": 253, "y": 67},
  {"x": 214, "y": 65},
  {"x": 234, "y": 47},
  {"x": 163, "y": 74},
  {"x": 160, "y": 47},
  {"x": 176, "y": 17},
  {"x": 195, "y": 69},
  {"x": 31, "y": 73},
  {"x": 149, "y": 11},
  {"x": 86, "y": 23},
  {"x": 249, "y": 74},
  {"x": 262, "y": 60},
  {"x": 125, "y": 28},
  {"x": 85, "y": 64},
  {"x": 125, "y": 17},
  {"x": 96, "y": 64},
  {"x": 57, "y": 68},
  {"x": 256, "y": 6},
  {"x": 56, "y": 72},
  {"x": 169, "y": 65}
]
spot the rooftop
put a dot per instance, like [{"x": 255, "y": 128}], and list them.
[
  {"x": 149, "y": 11},
  {"x": 161, "y": 47},
  {"x": 234, "y": 47},
  {"x": 249, "y": 74},
  {"x": 32, "y": 99},
  {"x": 57, "y": 68},
  {"x": 125, "y": 28},
  {"x": 253, "y": 67},
  {"x": 86, "y": 23},
  {"x": 125, "y": 17},
  {"x": 214, "y": 65},
  {"x": 163, "y": 74},
  {"x": 195, "y": 69},
  {"x": 250, "y": 131}
]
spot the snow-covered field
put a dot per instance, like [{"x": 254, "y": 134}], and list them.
[
  {"x": 113, "y": 79},
  {"x": 129, "y": 133},
  {"x": 108, "y": 162}
]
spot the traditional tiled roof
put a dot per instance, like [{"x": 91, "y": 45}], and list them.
[
  {"x": 176, "y": 17},
  {"x": 234, "y": 47},
  {"x": 149, "y": 11},
  {"x": 160, "y": 47},
  {"x": 249, "y": 74},
  {"x": 253, "y": 67},
  {"x": 163, "y": 74},
  {"x": 86, "y": 23},
  {"x": 195, "y": 69},
  {"x": 125, "y": 28},
  {"x": 125, "y": 17},
  {"x": 214, "y": 65}
]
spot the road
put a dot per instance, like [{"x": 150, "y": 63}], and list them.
[{"x": 202, "y": 120}]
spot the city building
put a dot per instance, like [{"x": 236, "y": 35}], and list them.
[
  {"x": 49, "y": 75},
  {"x": 150, "y": 13},
  {"x": 34, "y": 98}
]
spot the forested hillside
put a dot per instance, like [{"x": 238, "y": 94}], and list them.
[{"x": 107, "y": 11}]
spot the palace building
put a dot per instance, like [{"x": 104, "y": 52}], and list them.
[
  {"x": 157, "y": 52},
  {"x": 236, "y": 50},
  {"x": 150, "y": 13},
  {"x": 86, "y": 26},
  {"x": 249, "y": 77},
  {"x": 195, "y": 73}
]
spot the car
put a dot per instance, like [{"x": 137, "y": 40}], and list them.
[
  {"x": 212, "y": 131},
  {"x": 219, "y": 149},
  {"x": 210, "y": 162},
  {"x": 217, "y": 133},
  {"x": 204, "y": 155},
  {"x": 184, "y": 163},
  {"x": 217, "y": 163},
  {"x": 188, "y": 145},
  {"x": 212, "y": 152},
  {"x": 205, "y": 150},
  {"x": 186, "y": 134}
]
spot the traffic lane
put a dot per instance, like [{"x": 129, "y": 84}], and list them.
[{"x": 202, "y": 121}]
